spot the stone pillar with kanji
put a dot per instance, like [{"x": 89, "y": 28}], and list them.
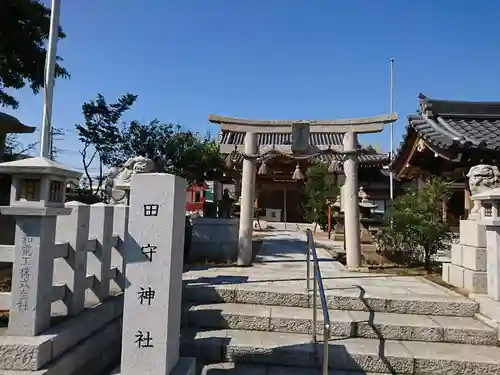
[
  {"x": 37, "y": 197},
  {"x": 154, "y": 247}
]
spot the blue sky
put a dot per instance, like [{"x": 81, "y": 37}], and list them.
[{"x": 270, "y": 59}]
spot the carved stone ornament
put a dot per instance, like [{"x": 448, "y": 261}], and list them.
[
  {"x": 117, "y": 181},
  {"x": 482, "y": 177}
]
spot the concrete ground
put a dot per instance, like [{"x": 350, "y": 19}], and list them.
[{"x": 281, "y": 265}]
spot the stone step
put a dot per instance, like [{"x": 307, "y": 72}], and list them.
[
  {"x": 349, "y": 354},
  {"x": 354, "y": 299},
  {"x": 343, "y": 323},
  {"x": 230, "y": 368}
]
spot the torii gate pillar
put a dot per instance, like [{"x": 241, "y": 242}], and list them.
[
  {"x": 248, "y": 177},
  {"x": 351, "y": 203}
]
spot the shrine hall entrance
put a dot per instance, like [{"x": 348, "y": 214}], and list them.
[{"x": 282, "y": 202}]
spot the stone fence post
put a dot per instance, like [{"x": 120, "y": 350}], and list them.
[
  {"x": 72, "y": 270},
  {"x": 99, "y": 262},
  {"x": 490, "y": 218},
  {"x": 120, "y": 228}
]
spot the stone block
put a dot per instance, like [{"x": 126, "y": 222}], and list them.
[
  {"x": 474, "y": 258},
  {"x": 456, "y": 254},
  {"x": 456, "y": 275},
  {"x": 32, "y": 353},
  {"x": 225, "y": 368},
  {"x": 209, "y": 294},
  {"x": 462, "y": 330},
  {"x": 489, "y": 311},
  {"x": 25, "y": 353},
  {"x": 472, "y": 233},
  {"x": 273, "y": 298},
  {"x": 90, "y": 348},
  {"x": 475, "y": 281},
  {"x": 270, "y": 348},
  {"x": 445, "y": 358},
  {"x": 396, "y": 327},
  {"x": 184, "y": 366},
  {"x": 214, "y": 239},
  {"x": 493, "y": 264},
  {"x": 446, "y": 272},
  {"x": 234, "y": 316},
  {"x": 205, "y": 345},
  {"x": 75, "y": 330}
]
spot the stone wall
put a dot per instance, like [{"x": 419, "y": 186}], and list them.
[{"x": 467, "y": 268}]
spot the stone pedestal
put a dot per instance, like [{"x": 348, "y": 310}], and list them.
[
  {"x": 467, "y": 269},
  {"x": 214, "y": 239},
  {"x": 489, "y": 203},
  {"x": 154, "y": 262},
  {"x": 247, "y": 201},
  {"x": 493, "y": 264}
]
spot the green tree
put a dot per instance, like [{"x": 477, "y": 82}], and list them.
[
  {"x": 109, "y": 143},
  {"x": 183, "y": 153},
  {"x": 100, "y": 134},
  {"x": 415, "y": 224},
  {"x": 24, "y": 31},
  {"x": 319, "y": 187}
]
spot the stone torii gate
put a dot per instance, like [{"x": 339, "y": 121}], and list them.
[{"x": 300, "y": 147}]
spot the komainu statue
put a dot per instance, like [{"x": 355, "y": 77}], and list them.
[
  {"x": 117, "y": 179},
  {"x": 482, "y": 177}
]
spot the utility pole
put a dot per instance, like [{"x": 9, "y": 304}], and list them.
[
  {"x": 50, "y": 64},
  {"x": 391, "y": 139}
]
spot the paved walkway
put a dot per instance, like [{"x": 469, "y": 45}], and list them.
[{"x": 281, "y": 266}]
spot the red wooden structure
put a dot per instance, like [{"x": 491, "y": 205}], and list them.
[{"x": 195, "y": 197}]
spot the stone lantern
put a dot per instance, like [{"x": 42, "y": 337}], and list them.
[
  {"x": 365, "y": 205},
  {"x": 489, "y": 217},
  {"x": 37, "y": 183},
  {"x": 38, "y": 192}
]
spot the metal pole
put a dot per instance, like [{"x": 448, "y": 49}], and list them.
[
  {"x": 326, "y": 337},
  {"x": 50, "y": 64},
  {"x": 391, "y": 140},
  {"x": 308, "y": 261},
  {"x": 329, "y": 220},
  {"x": 284, "y": 206},
  {"x": 315, "y": 318}
]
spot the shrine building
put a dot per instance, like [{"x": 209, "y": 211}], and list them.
[
  {"x": 279, "y": 193},
  {"x": 446, "y": 138}
]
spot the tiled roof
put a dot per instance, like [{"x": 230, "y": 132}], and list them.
[
  {"x": 456, "y": 125},
  {"x": 316, "y": 139}
]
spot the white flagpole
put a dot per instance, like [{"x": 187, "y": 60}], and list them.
[
  {"x": 391, "y": 140},
  {"x": 50, "y": 64}
]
